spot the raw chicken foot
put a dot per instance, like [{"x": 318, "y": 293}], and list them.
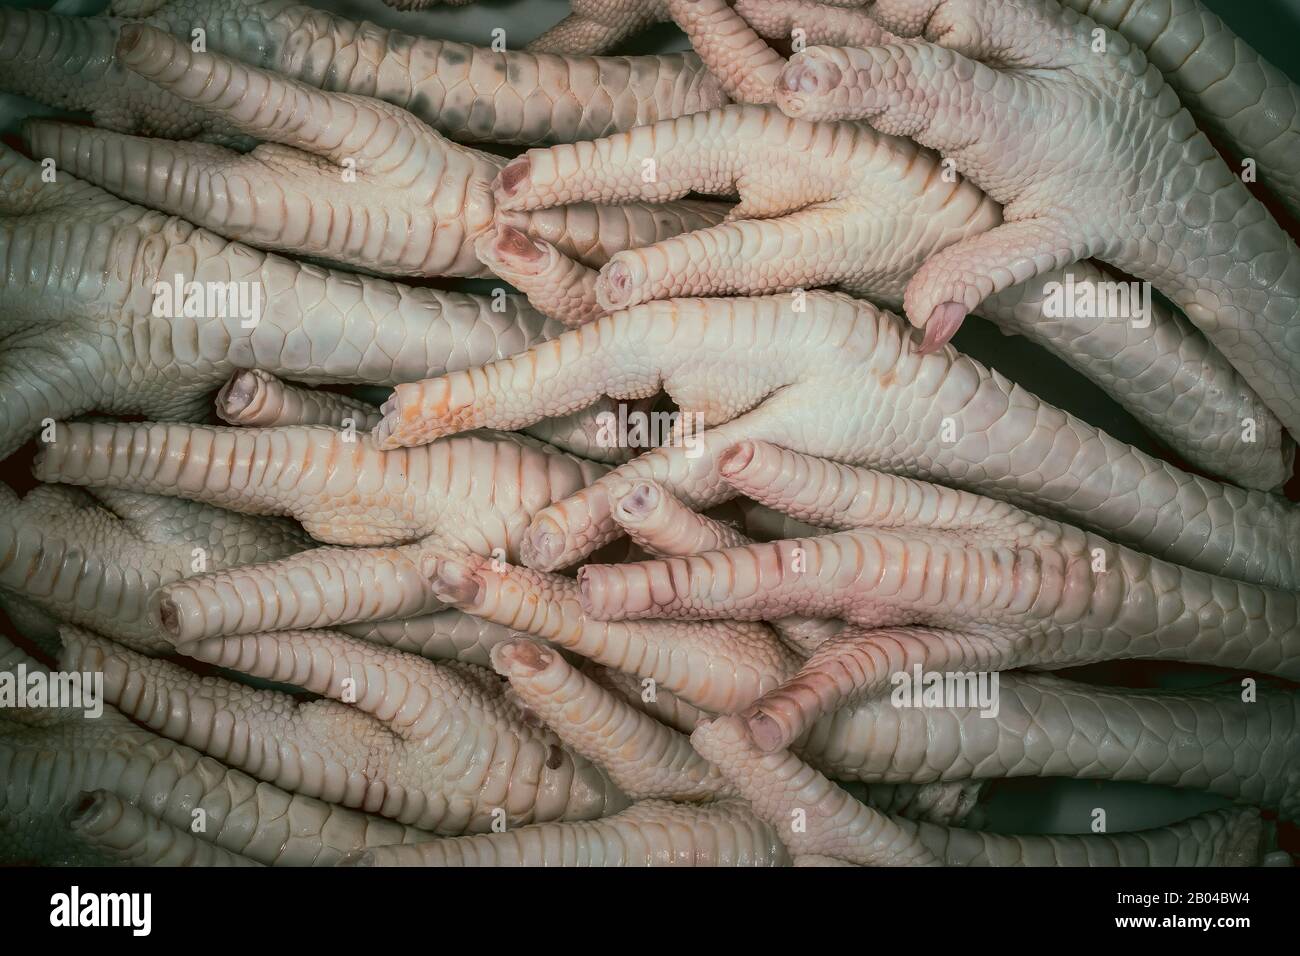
[
  {"x": 838, "y": 204},
  {"x": 343, "y": 178},
  {"x": 50, "y": 759},
  {"x": 816, "y": 818},
  {"x": 95, "y": 560},
  {"x": 473, "y": 494},
  {"x": 436, "y": 746},
  {"x": 464, "y": 92},
  {"x": 80, "y": 273},
  {"x": 1091, "y": 154},
  {"x": 832, "y": 376},
  {"x": 993, "y": 587}
]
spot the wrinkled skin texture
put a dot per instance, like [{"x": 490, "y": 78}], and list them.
[
  {"x": 596, "y": 26},
  {"x": 1208, "y": 739},
  {"x": 779, "y": 786},
  {"x": 715, "y": 665},
  {"x": 651, "y": 833},
  {"x": 1236, "y": 94},
  {"x": 340, "y": 178},
  {"x": 96, "y": 561},
  {"x": 80, "y": 333},
  {"x": 1006, "y": 588}
]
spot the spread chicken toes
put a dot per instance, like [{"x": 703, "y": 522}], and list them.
[
  {"x": 1247, "y": 750},
  {"x": 1090, "y": 153},
  {"x": 994, "y": 587},
  {"x": 465, "y": 92},
  {"x": 96, "y": 560},
  {"x": 716, "y": 665},
  {"x": 833, "y": 203},
  {"x": 473, "y": 494},
  {"x": 94, "y": 316},
  {"x": 393, "y": 575},
  {"x": 651, "y": 762},
  {"x": 828, "y": 375},
  {"x": 341, "y": 178},
  {"x": 1245, "y": 102}
]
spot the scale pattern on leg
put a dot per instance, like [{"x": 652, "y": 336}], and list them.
[
  {"x": 433, "y": 746},
  {"x": 645, "y": 758},
  {"x": 478, "y": 491},
  {"x": 96, "y": 560},
  {"x": 49, "y": 759},
  {"x": 468, "y": 93},
  {"x": 783, "y": 790},
  {"x": 1223, "y": 740},
  {"x": 1127, "y": 178},
  {"x": 649, "y": 833},
  {"x": 717, "y": 666},
  {"x": 836, "y": 204},
  {"x": 832, "y": 376},
  {"x": 1239, "y": 96}
]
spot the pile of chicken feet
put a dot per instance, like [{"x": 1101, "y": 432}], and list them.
[{"x": 451, "y": 621}]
